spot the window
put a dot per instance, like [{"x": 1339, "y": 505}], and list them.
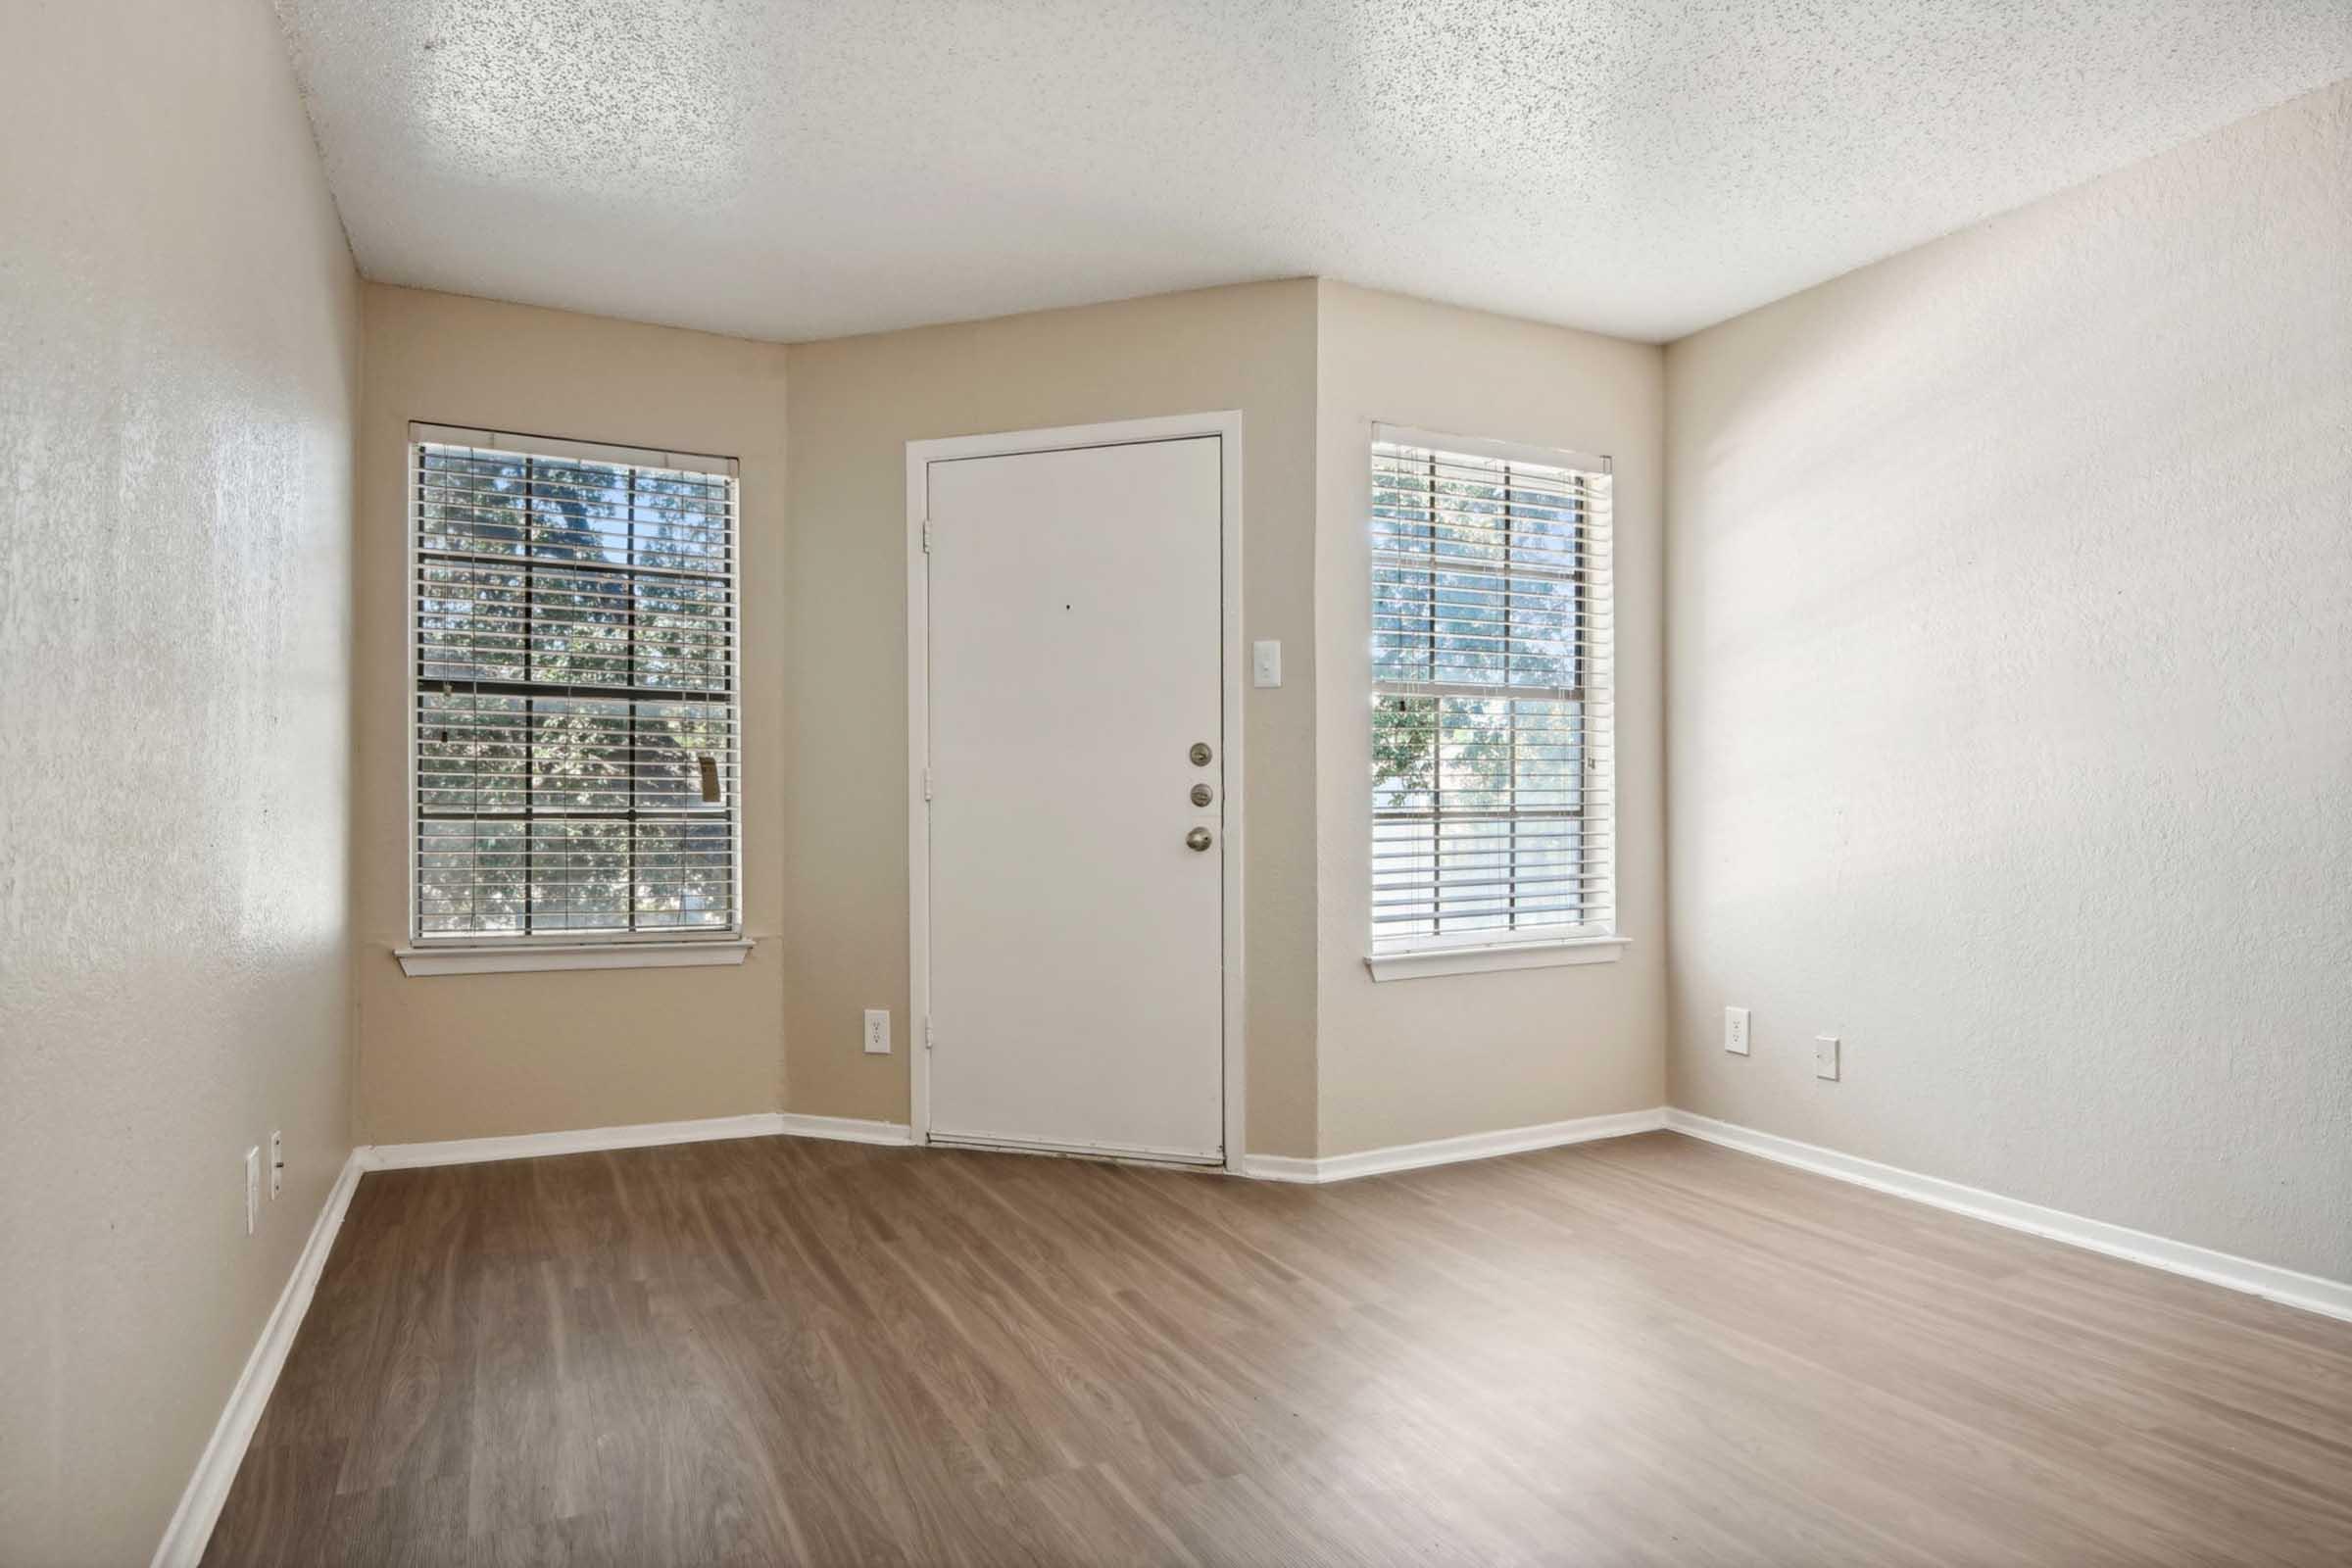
[
  {"x": 1492, "y": 763},
  {"x": 577, "y": 767}
]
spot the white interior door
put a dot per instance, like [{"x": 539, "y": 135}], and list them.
[{"x": 1077, "y": 855}]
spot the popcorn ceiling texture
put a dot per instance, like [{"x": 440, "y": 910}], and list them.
[
  {"x": 2009, "y": 701},
  {"x": 180, "y": 346},
  {"x": 804, "y": 170}
]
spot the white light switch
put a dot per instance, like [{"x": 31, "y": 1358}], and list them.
[
  {"x": 1824, "y": 1056},
  {"x": 1265, "y": 664}
]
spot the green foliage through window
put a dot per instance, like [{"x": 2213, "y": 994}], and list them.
[
  {"x": 1490, "y": 696},
  {"x": 574, "y": 690}
]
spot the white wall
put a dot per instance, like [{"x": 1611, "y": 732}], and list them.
[
  {"x": 2010, "y": 699},
  {"x": 1404, "y": 1060},
  {"x": 179, "y": 349}
]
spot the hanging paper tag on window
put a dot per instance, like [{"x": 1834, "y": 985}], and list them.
[{"x": 710, "y": 765}]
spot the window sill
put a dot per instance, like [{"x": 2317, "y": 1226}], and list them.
[
  {"x": 1415, "y": 965},
  {"x": 520, "y": 958}
]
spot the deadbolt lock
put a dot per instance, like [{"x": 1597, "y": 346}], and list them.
[
  {"x": 1201, "y": 754},
  {"x": 1202, "y": 795},
  {"x": 1197, "y": 839}
]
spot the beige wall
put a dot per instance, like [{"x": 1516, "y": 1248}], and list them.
[
  {"x": 825, "y": 688},
  {"x": 2011, "y": 699},
  {"x": 179, "y": 349},
  {"x": 474, "y": 1055},
  {"x": 855, "y": 404},
  {"x": 1435, "y": 1056}
]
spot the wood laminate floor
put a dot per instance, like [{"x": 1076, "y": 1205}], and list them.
[{"x": 1648, "y": 1351}]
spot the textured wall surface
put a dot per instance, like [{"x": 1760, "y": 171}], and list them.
[
  {"x": 180, "y": 347},
  {"x": 800, "y": 170},
  {"x": 2010, "y": 699},
  {"x": 855, "y": 404},
  {"x": 476, "y": 1055},
  {"x": 1431, "y": 1058}
]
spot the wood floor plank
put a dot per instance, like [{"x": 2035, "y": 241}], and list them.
[
  {"x": 276, "y": 1516},
  {"x": 1648, "y": 1351},
  {"x": 578, "y": 1542}
]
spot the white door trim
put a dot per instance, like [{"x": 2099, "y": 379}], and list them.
[{"x": 1226, "y": 425}]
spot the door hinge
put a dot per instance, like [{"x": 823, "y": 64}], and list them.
[
  {"x": 926, "y": 536},
  {"x": 927, "y": 1034},
  {"x": 926, "y": 783}
]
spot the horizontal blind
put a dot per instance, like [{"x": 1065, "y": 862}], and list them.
[
  {"x": 579, "y": 757},
  {"x": 1492, "y": 765}
]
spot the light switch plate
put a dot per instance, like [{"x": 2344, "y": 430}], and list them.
[
  {"x": 1265, "y": 664},
  {"x": 1735, "y": 1031},
  {"x": 1824, "y": 1056}
]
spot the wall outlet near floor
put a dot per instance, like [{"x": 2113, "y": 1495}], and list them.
[
  {"x": 253, "y": 1187},
  {"x": 1824, "y": 1056},
  {"x": 877, "y": 1031},
  {"x": 277, "y": 1163},
  {"x": 1735, "y": 1031}
]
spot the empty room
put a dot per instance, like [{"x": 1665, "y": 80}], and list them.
[{"x": 1193, "y": 782}]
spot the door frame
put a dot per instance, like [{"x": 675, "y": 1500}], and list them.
[{"x": 1226, "y": 425}]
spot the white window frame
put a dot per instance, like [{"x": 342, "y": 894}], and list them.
[
  {"x": 1526, "y": 948},
  {"x": 481, "y": 952}
]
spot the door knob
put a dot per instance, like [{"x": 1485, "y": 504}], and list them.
[
  {"x": 1197, "y": 839},
  {"x": 1200, "y": 754}
]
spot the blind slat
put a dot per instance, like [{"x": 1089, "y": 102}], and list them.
[
  {"x": 1493, "y": 636},
  {"x": 577, "y": 758}
]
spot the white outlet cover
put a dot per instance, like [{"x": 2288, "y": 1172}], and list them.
[
  {"x": 1265, "y": 664},
  {"x": 877, "y": 1031},
  {"x": 1824, "y": 1056},
  {"x": 1735, "y": 1031},
  {"x": 253, "y": 1187}
]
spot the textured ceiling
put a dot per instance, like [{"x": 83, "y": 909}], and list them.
[{"x": 790, "y": 169}]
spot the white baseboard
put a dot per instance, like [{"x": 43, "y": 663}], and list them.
[
  {"x": 642, "y": 1135},
  {"x": 578, "y": 1141},
  {"x": 191, "y": 1525},
  {"x": 2310, "y": 1292},
  {"x": 1278, "y": 1168},
  {"x": 1449, "y": 1150},
  {"x": 846, "y": 1129}
]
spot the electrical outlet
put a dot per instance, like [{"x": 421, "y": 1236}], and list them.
[
  {"x": 1824, "y": 1056},
  {"x": 277, "y": 1163},
  {"x": 1735, "y": 1031},
  {"x": 253, "y": 1187},
  {"x": 877, "y": 1031}
]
